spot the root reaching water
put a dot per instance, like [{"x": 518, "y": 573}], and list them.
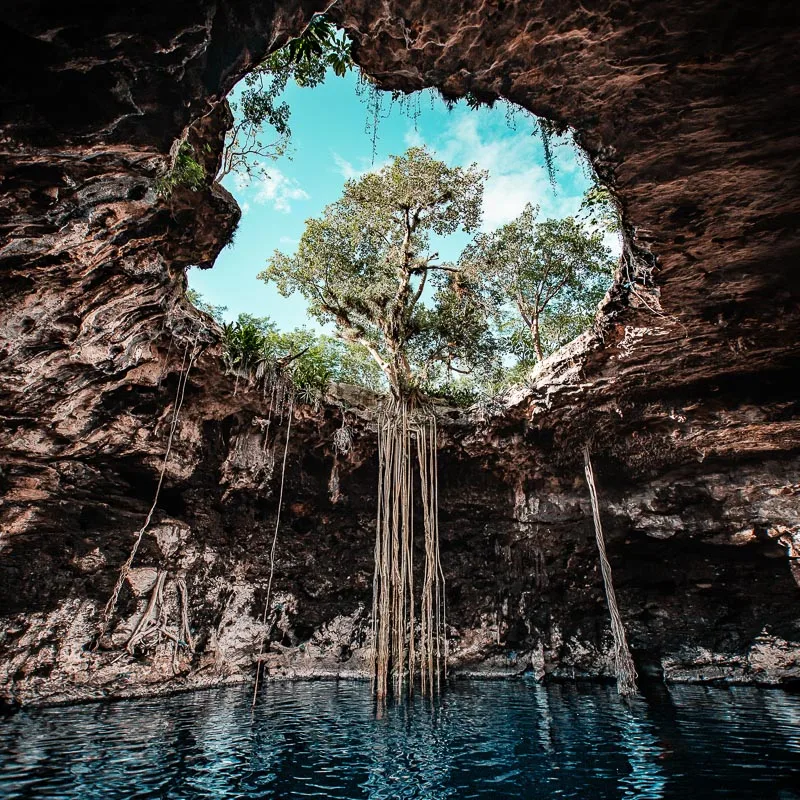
[
  {"x": 272, "y": 550},
  {"x": 395, "y": 655},
  {"x": 151, "y": 619},
  {"x": 185, "y": 633},
  {"x": 186, "y": 367},
  {"x": 153, "y": 625},
  {"x": 433, "y": 637},
  {"x": 623, "y": 663}
]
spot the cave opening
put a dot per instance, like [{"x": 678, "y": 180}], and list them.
[
  {"x": 507, "y": 289},
  {"x": 300, "y": 131}
]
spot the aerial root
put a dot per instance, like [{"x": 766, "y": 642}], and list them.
[
  {"x": 272, "y": 550},
  {"x": 186, "y": 366},
  {"x": 153, "y": 625},
  {"x": 623, "y": 662},
  {"x": 396, "y": 652}
]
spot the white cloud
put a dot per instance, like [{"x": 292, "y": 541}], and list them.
[
  {"x": 413, "y": 138},
  {"x": 516, "y": 176},
  {"x": 345, "y": 168},
  {"x": 245, "y": 206},
  {"x": 241, "y": 181},
  {"x": 350, "y": 172},
  {"x": 288, "y": 240},
  {"x": 276, "y": 189}
]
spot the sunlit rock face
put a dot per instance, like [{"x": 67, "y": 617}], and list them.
[{"x": 685, "y": 389}]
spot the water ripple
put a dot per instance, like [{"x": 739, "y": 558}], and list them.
[{"x": 481, "y": 740}]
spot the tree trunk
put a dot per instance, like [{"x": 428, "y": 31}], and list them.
[{"x": 537, "y": 339}]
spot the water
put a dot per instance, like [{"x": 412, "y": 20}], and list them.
[{"x": 481, "y": 740}]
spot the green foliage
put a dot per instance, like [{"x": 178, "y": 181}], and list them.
[
  {"x": 365, "y": 265},
  {"x": 461, "y": 392},
  {"x": 254, "y": 346},
  {"x": 304, "y": 60},
  {"x": 308, "y": 56},
  {"x": 599, "y": 208},
  {"x": 186, "y": 172},
  {"x": 548, "y": 131},
  {"x": 243, "y": 343},
  {"x": 215, "y": 312},
  {"x": 543, "y": 280}
]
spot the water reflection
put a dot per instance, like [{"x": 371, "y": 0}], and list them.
[{"x": 480, "y": 740}]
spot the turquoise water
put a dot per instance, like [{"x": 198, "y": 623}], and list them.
[{"x": 480, "y": 740}]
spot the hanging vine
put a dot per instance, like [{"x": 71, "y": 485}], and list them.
[
  {"x": 189, "y": 356},
  {"x": 433, "y": 637},
  {"x": 623, "y": 662},
  {"x": 398, "y": 650},
  {"x": 272, "y": 551}
]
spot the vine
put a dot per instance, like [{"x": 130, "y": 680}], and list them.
[
  {"x": 126, "y": 567},
  {"x": 395, "y": 655},
  {"x": 272, "y": 551},
  {"x": 623, "y": 662}
]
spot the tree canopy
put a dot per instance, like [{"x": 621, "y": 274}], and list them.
[
  {"x": 366, "y": 264},
  {"x": 544, "y": 279},
  {"x": 254, "y": 347}
]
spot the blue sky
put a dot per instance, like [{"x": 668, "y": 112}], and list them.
[{"x": 330, "y": 143}]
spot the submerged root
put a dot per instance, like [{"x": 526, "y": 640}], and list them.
[{"x": 623, "y": 662}]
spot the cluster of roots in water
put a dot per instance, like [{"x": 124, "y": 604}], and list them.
[{"x": 401, "y": 647}]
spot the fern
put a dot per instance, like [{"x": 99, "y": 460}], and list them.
[{"x": 186, "y": 172}]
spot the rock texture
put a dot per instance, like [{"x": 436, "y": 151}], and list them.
[{"x": 685, "y": 387}]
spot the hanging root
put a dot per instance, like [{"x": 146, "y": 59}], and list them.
[
  {"x": 433, "y": 638},
  {"x": 395, "y": 655},
  {"x": 185, "y": 631},
  {"x": 272, "y": 551},
  {"x": 153, "y": 624},
  {"x": 150, "y": 623},
  {"x": 343, "y": 439},
  {"x": 623, "y": 663},
  {"x": 186, "y": 367}
]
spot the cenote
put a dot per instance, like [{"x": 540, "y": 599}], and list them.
[
  {"x": 399, "y": 399},
  {"x": 479, "y": 740}
]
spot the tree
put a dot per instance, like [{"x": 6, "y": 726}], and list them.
[
  {"x": 217, "y": 313},
  {"x": 305, "y": 60},
  {"x": 544, "y": 280},
  {"x": 598, "y": 208},
  {"x": 254, "y": 347},
  {"x": 367, "y": 264}
]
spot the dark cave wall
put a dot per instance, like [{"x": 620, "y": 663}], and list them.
[
  {"x": 687, "y": 109},
  {"x": 699, "y": 559}
]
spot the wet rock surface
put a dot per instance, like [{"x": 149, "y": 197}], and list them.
[{"x": 685, "y": 388}]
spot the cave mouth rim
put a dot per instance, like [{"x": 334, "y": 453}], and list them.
[{"x": 567, "y": 136}]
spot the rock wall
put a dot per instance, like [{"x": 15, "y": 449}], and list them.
[{"x": 684, "y": 387}]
